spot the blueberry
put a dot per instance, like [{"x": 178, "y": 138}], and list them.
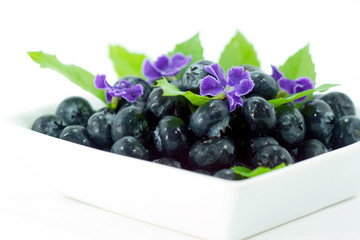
[
  {"x": 160, "y": 106},
  {"x": 202, "y": 171},
  {"x": 271, "y": 156},
  {"x": 346, "y": 132},
  {"x": 129, "y": 146},
  {"x": 256, "y": 143},
  {"x": 319, "y": 119},
  {"x": 76, "y": 134},
  {"x": 250, "y": 68},
  {"x": 210, "y": 119},
  {"x": 290, "y": 128},
  {"x": 50, "y": 125},
  {"x": 136, "y": 80},
  {"x": 178, "y": 83},
  {"x": 130, "y": 121},
  {"x": 311, "y": 148},
  {"x": 171, "y": 137},
  {"x": 265, "y": 85},
  {"x": 259, "y": 115},
  {"x": 99, "y": 127},
  {"x": 75, "y": 111},
  {"x": 168, "y": 161},
  {"x": 212, "y": 154},
  {"x": 340, "y": 103},
  {"x": 194, "y": 75},
  {"x": 228, "y": 174}
]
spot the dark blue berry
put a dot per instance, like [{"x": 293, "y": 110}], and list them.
[
  {"x": 227, "y": 173},
  {"x": 212, "y": 154},
  {"x": 265, "y": 85},
  {"x": 168, "y": 161},
  {"x": 129, "y": 146},
  {"x": 346, "y": 132},
  {"x": 50, "y": 125},
  {"x": 77, "y": 134},
  {"x": 259, "y": 115},
  {"x": 319, "y": 119},
  {"x": 250, "y": 68},
  {"x": 311, "y": 148},
  {"x": 256, "y": 143},
  {"x": 340, "y": 103},
  {"x": 202, "y": 171},
  {"x": 75, "y": 111},
  {"x": 130, "y": 121},
  {"x": 271, "y": 156},
  {"x": 290, "y": 128},
  {"x": 171, "y": 137},
  {"x": 194, "y": 75},
  {"x": 99, "y": 127},
  {"x": 210, "y": 119}
]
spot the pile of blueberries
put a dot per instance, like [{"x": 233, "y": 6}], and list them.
[{"x": 209, "y": 139}]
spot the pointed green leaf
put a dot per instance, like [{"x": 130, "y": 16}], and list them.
[
  {"x": 238, "y": 51},
  {"x": 248, "y": 173},
  {"x": 172, "y": 90},
  {"x": 299, "y": 65},
  {"x": 126, "y": 63},
  {"x": 74, "y": 73},
  {"x": 280, "y": 101},
  {"x": 190, "y": 47}
]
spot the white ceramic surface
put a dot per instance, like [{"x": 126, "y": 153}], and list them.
[{"x": 184, "y": 201}]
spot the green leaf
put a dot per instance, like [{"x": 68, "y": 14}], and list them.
[
  {"x": 172, "y": 90},
  {"x": 280, "y": 101},
  {"x": 190, "y": 47},
  {"x": 299, "y": 65},
  {"x": 74, "y": 73},
  {"x": 126, "y": 63},
  {"x": 248, "y": 173},
  {"x": 238, "y": 51}
]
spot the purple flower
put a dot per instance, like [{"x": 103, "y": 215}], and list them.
[
  {"x": 292, "y": 86},
  {"x": 122, "y": 88},
  {"x": 238, "y": 84},
  {"x": 164, "y": 66}
]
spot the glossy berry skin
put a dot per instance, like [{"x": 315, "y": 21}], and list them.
[
  {"x": 50, "y": 125},
  {"x": 290, "y": 127},
  {"x": 265, "y": 85},
  {"x": 227, "y": 173},
  {"x": 160, "y": 106},
  {"x": 75, "y": 111},
  {"x": 340, "y": 103},
  {"x": 250, "y": 68},
  {"x": 271, "y": 156},
  {"x": 202, "y": 171},
  {"x": 168, "y": 161},
  {"x": 130, "y": 121},
  {"x": 311, "y": 148},
  {"x": 194, "y": 75},
  {"x": 129, "y": 146},
  {"x": 171, "y": 137},
  {"x": 259, "y": 115},
  {"x": 212, "y": 154},
  {"x": 346, "y": 132},
  {"x": 259, "y": 142},
  {"x": 77, "y": 134},
  {"x": 210, "y": 119},
  {"x": 99, "y": 127},
  {"x": 136, "y": 80},
  {"x": 319, "y": 119}
]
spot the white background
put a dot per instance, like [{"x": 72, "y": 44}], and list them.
[{"x": 79, "y": 32}]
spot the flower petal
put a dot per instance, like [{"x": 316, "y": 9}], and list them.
[
  {"x": 99, "y": 81},
  {"x": 276, "y": 74},
  {"x": 132, "y": 93},
  {"x": 236, "y": 74},
  {"x": 162, "y": 63},
  {"x": 210, "y": 86},
  {"x": 123, "y": 84},
  {"x": 287, "y": 85},
  {"x": 179, "y": 61},
  {"x": 245, "y": 87},
  {"x": 234, "y": 100},
  {"x": 215, "y": 70},
  {"x": 108, "y": 97},
  {"x": 150, "y": 72},
  {"x": 305, "y": 82}
]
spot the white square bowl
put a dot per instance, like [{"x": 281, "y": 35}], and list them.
[{"x": 192, "y": 203}]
